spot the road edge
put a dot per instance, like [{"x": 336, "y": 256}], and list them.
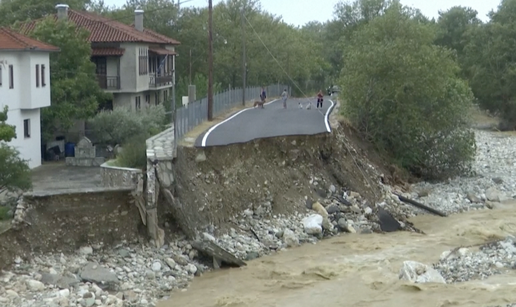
[{"x": 205, "y": 137}]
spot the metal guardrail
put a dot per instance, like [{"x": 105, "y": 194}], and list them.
[{"x": 195, "y": 113}]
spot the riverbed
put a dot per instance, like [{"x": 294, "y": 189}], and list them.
[{"x": 363, "y": 270}]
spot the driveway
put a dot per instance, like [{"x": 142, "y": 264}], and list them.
[{"x": 272, "y": 121}]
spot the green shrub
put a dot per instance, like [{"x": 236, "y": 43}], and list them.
[
  {"x": 134, "y": 153},
  {"x": 121, "y": 124},
  {"x": 403, "y": 93}
]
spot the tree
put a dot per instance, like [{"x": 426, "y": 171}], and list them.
[
  {"x": 25, "y": 10},
  {"x": 15, "y": 172},
  {"x": 454, "y": 29},
  {"x": 75, "y": 93},
  {"x": 491, "y": 65},
  {"x": 403, "y": 93}
]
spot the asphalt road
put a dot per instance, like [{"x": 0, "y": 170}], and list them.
[{"x": 272, "y": 121}]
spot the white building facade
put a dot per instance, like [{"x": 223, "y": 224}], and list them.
[{"x": 25, "y": 89}]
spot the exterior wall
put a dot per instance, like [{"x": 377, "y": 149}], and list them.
[
  {"x": 129, "y": 67},
  {"x": 25, "y": 100},
  {"x": 30, "y": 147}
]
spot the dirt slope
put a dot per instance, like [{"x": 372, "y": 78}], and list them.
[{"x": 276, "y": 174}]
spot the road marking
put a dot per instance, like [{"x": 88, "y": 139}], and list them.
[
  {"x": 205, "y": 137},
  {"x": 326, "y": 116}
]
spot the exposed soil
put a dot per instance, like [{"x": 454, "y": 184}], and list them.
[
  {"x": 64, "y": 223},
  {"x": 214, "y": 184}
]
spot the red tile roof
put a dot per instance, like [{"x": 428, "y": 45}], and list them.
[
  {"x": 104, "y": 30},
  {"x": 161, "y": 51},
  {"x": 107, "y": 51},
  {"x": 10, "y": 40}
]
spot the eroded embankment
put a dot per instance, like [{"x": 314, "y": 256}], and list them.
[
  {"x": 64, "y": 223},
  {"x": 216, "y": 183}
]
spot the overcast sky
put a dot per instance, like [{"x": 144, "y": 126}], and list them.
[{"x": 299, "y": 12}]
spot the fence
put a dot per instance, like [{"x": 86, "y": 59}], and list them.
[{"x": 195, "y": 113}]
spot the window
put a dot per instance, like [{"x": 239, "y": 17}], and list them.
[
  {"x": 43, "y": 75},
  {"x": 143, "y": 61},
  {"x": 37, "y": 75},
  {"x": 147, "y": 99},
  {"x": 26, "y": 128},
  {"x": 11, "y": 76},
  {"x": 165, "y": 95},
  {"x": 156, "y": 98},
  {"x": 137, "y": 103}
]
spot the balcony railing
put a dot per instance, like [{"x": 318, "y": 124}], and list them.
[
  {"x": 160, "y": 80},
  {"x": 109, "y": 82}
]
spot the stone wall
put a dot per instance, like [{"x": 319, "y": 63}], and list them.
[
  {"x": 119, "y": 177},
  {"x": 85, "y": 155},
  {"x": 161, "y": 150}
]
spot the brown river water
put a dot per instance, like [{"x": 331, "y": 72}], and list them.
[{"x": 362, "y": 270}]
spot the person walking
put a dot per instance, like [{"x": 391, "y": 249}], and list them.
[
  {"x": 319, "y": 99},
  {"x": 284, "y": 96},
  {"x": 263, "y": 96}
]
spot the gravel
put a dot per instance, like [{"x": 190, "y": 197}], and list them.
[
  {"x": 133, "y": 274},
  {"x": 494, "y": 179},
  {"x": 464, "y": 264}
]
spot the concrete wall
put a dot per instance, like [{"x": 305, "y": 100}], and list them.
[
  {"x": 129, "y": 67},
  {"x": 114, "y": 177}
]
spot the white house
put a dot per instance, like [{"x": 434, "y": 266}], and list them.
[{"x": 25, "y": 89}]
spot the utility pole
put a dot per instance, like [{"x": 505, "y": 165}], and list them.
[
  {"x": 210, "y": 60},
  {"x": 244, "y": 65}
]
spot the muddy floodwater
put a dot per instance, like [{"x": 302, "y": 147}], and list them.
[{"x": 362, "y": 270}]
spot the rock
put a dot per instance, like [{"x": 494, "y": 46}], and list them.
[
  {"x": 498, "y": 180},
  {"x": 124, "y": 253},
  {"x": 317, "y": 207},
  {"x": 179, "y": 259},
  {"x": 331, "y": 209},
  {"x": 493, "y": 194},
  {"x": 88, "y": 299},
  {"x": 208, "y": 237},
  {"x": 342, "y": 223},
  {"x": 149, "y": 274},
  {"x": 420, "y": 273},
  {"x": 290, "y": 238},
  {"x": 201, "y": 157},
  {"x": 473, "y": 198},
  {"x": 368, "y": 210},
  {"x": 387, "y": 222},
  {"x": 250, "y": 256},
  {"x": 170, "y": 262},
  {"x": 156, "y": 266},
  {"x": 101, "y": 276},
  {"x": 191, "y": 268},
  {"x": 332, "y": 189},
  {"x": 86, "y": 250},
  {"x": 35, "y": 285},
  {"x": 11, "y": 294},
  {"x": 63, "y": 293},
  {"x": 313, "y": 224}
]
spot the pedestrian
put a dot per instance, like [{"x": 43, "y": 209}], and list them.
[
  {"x": 319, "y": 99},
  {"x": 284, "y": 96},
  {"x": 263, "y": 96}
]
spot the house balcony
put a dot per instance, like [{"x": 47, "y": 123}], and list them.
[
  {"x": 110, "y": 83},
  {"x": 160, "y": 80}
]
